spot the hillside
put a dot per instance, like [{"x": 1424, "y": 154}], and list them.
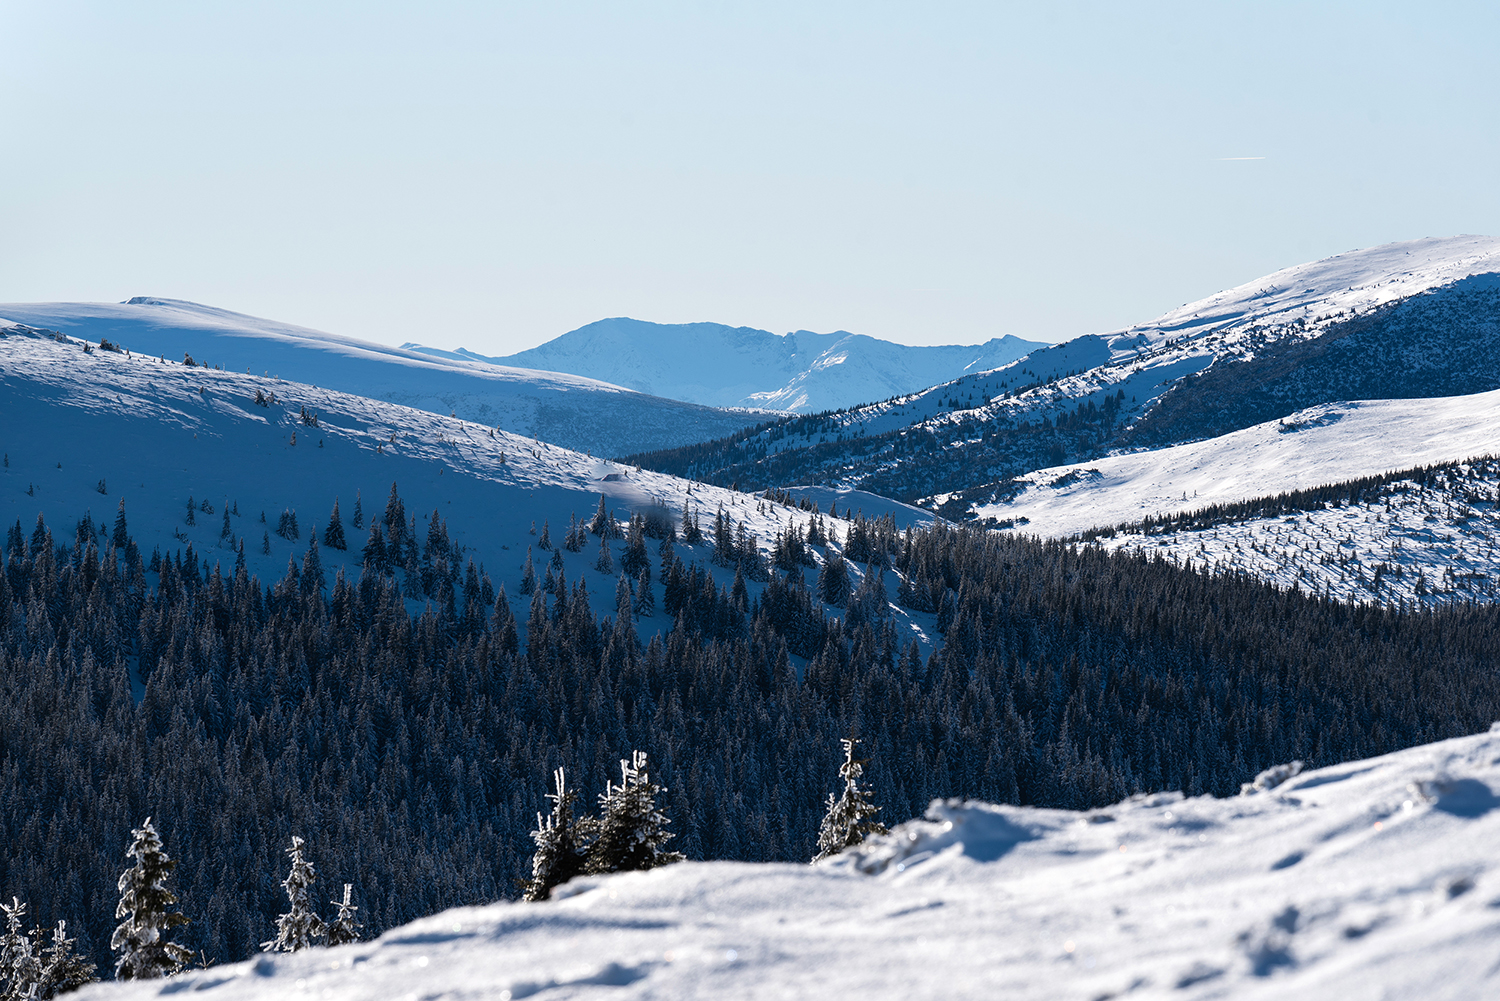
[
  {"x": 723, "y": 366},
  {"x": 1417, "y": 319},
  {"x": 582, "y": 414},
  {"x": 154, "y": 435},
  {"x": 1366, "y": 879}
]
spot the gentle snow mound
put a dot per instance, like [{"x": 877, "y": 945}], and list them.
[{"x": 1372, "y": 878}]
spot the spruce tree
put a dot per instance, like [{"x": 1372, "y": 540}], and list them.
[
  {"x": 604, "y": 562},
  {"x": 298, "y": 927},
  {"x": 645, "y": 597},
  {"x": 121, "y": 535},
  {"x": 631, "y": 828},
  {"x": 63, "y": 968},
  {"x": 140, "y": 940},
  {"x": 343, "y": 929},
  {"x": 562, "y": 842},
  {"x": 333, "y": 532},
  {"x": 545, "y": 542},
  {"x": 192, "y": 512},
  {"x": 358, "y": 521},
  {"x": 20, "y": 966},
  {"x": 850, "y": 817}
]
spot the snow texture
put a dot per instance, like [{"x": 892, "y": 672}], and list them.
[{"x": 1370, "y": 879}]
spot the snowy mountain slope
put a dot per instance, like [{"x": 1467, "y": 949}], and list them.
[
  {"x": 571, "y": 411},
  {"x": 1430, "y": 539},
  {"x": 1371, "y": 878},
  {"x": 1324, "y": 444},
  {"x": 82, "y": 432},
  {"x": 724, "y": 366},
  {"x": 1412, "y": 319}
]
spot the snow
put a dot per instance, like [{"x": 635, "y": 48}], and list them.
[
  {"x": 723, "y": 366},
  {"x": 1370, "y": 878},
  {"x": 1326, "y": 444},
  {"x": 584, "y": 414},
  {"x": 1143, "y": 361},
  {"x": 159, "y": 433}
]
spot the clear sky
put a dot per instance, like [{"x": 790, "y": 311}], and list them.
[{"x": 491, "y": 175}]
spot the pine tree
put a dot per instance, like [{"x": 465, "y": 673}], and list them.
[
  {"x": 343, "y": 929},
  {"x": 562, "y": 842},
  {"x": 833, "y": 580},
  {"x": 297, "y": 928},
  {"x": 192, "y": 512},
  {"x": 604, "y": 562},
  {"x": 631, "y": 828},
  {"x": 850, "y": 817},
  {"x": 545, "y": 542},
  {"x": 645, "y": 597},
  {"x": 226, "y": 531},
  {"x": 121, "y": 535},
  {"x": 600, "y": 525},
  {"x": 20, "y": 966},
  {"x": 265, "y": 543},
  {"x": 333, "y": 532},
  {"x": 528, "y": 574},
  {"x": 635, "y": 557},
  {"x": 140, "y": 940},
  {"x": 358, "y": 521},
  {"x": 63, "y": 969}
]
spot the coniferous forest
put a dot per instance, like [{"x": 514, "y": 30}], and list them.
[{"x": 413, "y": 753}]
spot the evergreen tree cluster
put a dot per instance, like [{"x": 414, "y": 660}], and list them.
[{"x": 233, "y": 712}]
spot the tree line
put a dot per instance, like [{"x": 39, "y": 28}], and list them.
[{"x": 412, "y": 749}]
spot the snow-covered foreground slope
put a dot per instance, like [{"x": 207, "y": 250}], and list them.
[
  {"x": 83, "y": 432},
  {"x": 1369, "y": 879},
  {"x": 723, "y": 366},
  {"x": 568, "y": 410},
  {"x": 1321, "y": 445}
]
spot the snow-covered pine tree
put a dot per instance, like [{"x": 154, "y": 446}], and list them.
[
  {"x": 140, "y": 940},
  {"x": 20, "y": 966},
  {"x": 265, "y": 543},
  {"x": 226, "y": 531},
  {"x": 333, "y": 532},
  {"x": 299, "y": 926},
  {"x": 850, "y": 817},
  {"x": 631, "y": 828},
  {"x": 121, "y": 535},
  {"x": 528, "y": 574},
  {"x": 343, "y": 928},
  {"x": 604, "y": 562},
  {"x": 192, "y": 512},
  {"x": 833, "y": 581},
  {"x": 545, "y": 542},
  {"x": 358, "y": 521},
  {"x": 645, "y": 598},
  {"x": 600, "y": 525},
  {"x": 635, "y": 556},
  {"x": 562, "y": 842},
  {"x": 63, "y": 968}
]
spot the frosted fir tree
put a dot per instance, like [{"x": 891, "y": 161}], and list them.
[
  {"x": 140, "y": 940},
  {"x": 632, "y": 830},
  {"x": 604, "y": 562},
  {"x": 561, "y": 843},
  {"x": 343, "y": 929},
  {"x": 299, "y": 927},
  {"x": 63, "y": 968},
  {"x": 20, "y": 967},
  {"x": 850, "y": 817},
  {"x": 645, "y": 598}
]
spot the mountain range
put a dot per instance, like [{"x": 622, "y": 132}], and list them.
[
  {"x": 1405, "y": 320},
  {"x": 722, "y": 366},
  {"x": 567, "y": 410}
]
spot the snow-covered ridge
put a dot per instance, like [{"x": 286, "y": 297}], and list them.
[
  {"x": 84, "y": 431},
  {"x": 569, "y": 410},
  {"x": 1326, "y": 444},
  {"x": 723, "y": 366},
  {"x": 1366, "y": 879}
]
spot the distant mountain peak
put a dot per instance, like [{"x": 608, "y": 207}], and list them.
[{"x": 715, "y": 364}]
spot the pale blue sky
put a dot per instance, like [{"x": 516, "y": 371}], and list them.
[{"x": 492, "y": 175}]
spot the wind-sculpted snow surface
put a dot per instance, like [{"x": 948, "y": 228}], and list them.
[
  {"x": 1372, "y": 878},
  {"x": 568, "y": 410}
]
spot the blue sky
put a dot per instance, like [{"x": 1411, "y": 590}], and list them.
[{"x": 492, "y": 175}]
